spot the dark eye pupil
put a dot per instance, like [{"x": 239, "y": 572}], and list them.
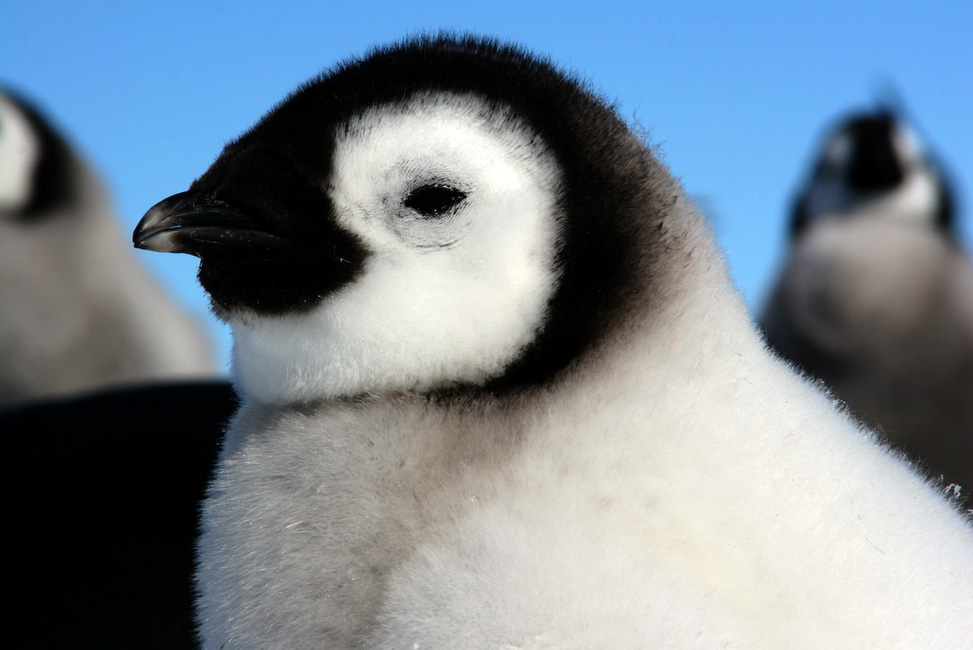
[{"x": 434, "y": 200}]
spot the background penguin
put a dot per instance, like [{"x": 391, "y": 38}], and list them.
[
  {"x": 79, "y": 311},
  {"x": 498, "y": 392},
  {"x": 876, "y": 295}
]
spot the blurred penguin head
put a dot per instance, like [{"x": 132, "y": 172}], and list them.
[{"x": 872, "y": 165}]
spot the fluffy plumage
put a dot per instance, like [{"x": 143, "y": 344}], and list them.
[
  {"x": 622, "y": 465},
  {"x": 79, "y": 311},
  {"x": 875, "y": 297}
]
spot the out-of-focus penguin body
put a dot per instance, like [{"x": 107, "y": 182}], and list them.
[
  {"x": 79, "y": 311},
  {"x": 498, "y": 392},
  {"x": 876, "y": 295}
]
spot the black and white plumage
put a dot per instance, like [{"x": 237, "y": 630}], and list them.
[
  {"x": 875, "y": 297},
  {"x": 79, "y": 310},
  {"x": 498, "y": 392}
]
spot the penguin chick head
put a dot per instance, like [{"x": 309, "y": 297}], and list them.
[
  {"x": 873, "y": 165},
  {"x": 444, "y": 213},
  {"x": 34, "y": 161}
]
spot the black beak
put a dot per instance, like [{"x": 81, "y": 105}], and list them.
[{"x": 200, "y": 225}]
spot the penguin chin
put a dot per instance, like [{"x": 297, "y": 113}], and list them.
[
  {"x": 914, "y": 202},
  {"x": 322, "y": 354}
]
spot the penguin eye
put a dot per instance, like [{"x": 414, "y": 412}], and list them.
[{"x": 434, "y": 200}]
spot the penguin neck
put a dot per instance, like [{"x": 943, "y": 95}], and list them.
[{"x": 695, "y": 328}]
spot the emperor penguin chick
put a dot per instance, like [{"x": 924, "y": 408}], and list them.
[
  {"x": 498, "y": 392},
  {"x": 79, "y": 311},
  {"x": 875, "y": 297}
]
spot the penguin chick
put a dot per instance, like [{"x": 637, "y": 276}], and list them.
[
  {"x": 875, "y": 297},
  {"x": 499, "y": 392},
  {"x": 79, "y": 312}
]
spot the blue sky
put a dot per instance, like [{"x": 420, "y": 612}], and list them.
[{"x": 736, "y": 95}]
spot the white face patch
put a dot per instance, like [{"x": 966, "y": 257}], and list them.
[
  {"x": 19, "y": 153},
  {"x": 456, "y": 204}
]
